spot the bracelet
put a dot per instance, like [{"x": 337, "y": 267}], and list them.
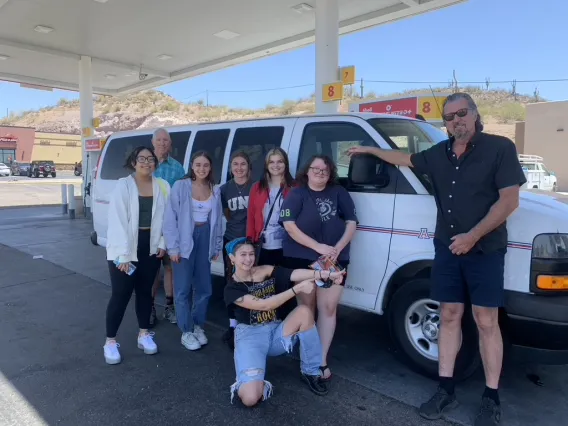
[{"x": 293, "y": 291}]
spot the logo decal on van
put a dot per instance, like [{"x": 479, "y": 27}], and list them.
[{"x": 424, "y": 235}]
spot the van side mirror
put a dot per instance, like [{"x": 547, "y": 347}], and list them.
[{"x": 367, "y": 170}]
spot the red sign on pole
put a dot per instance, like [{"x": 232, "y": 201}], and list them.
[
  {"x": 405, "y": 106},
  {"x": 92, "y": 145}
]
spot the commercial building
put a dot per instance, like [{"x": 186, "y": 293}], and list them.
[
  {"x": 24, "y": 144},
  {"x": 16, "y": 144},
  {"x": 546, "y": 134}
]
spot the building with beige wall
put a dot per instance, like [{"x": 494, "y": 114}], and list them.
[
  {"x": 546, "y": 134},
  {"x": 60, "y": 148}
]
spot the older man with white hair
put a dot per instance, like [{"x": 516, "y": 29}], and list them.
[{"x": 170, "y": 170}]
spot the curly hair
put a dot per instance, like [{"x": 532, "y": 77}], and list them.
[{"x": 302, "y": 175}]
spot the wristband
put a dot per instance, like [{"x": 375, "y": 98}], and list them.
[{"x": 293, "y": 291}]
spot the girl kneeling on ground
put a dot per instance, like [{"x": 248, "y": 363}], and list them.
[{"x": 257, "y": 292}]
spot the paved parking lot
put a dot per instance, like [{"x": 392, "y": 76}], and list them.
[
  {"x": 363, "y": 359},
  {"x": 24, "y": 191}
]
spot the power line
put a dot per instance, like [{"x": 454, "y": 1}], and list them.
[
  {"x": 273, "y": 89},
  {"x": 554, "y": 80},
  {"x": 263, "y": 90}
]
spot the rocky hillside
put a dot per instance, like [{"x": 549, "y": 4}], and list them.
[{"x": 153, "y": 108}]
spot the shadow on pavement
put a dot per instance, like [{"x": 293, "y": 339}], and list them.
[{"x": 53, "y": 372}]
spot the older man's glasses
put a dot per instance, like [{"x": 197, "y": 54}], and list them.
[
  {"x": 141, "y": 159},
  {"x": 460, "y": 113}
]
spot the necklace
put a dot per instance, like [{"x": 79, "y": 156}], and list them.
[
  {"x": 241, "y": 281},
  {"x": 240, "y": 188}
]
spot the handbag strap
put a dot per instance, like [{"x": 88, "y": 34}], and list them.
[{"x": 267, "y": 218}]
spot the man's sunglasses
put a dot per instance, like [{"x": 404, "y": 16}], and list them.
[{"x": 460, "y": 113}]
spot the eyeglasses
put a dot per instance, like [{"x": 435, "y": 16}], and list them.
[
  {"x": 141, "y": 159},
  {"x": 318, "y": 171},
  {"x": 451, "y": 115}
]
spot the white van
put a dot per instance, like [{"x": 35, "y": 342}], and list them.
[
  {"x": 538, "y": 176},
  {"x": 392, "y": 251}
]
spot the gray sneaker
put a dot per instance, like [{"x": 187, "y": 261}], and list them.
[
  {"x": 489, "y": 413},
  {"x": 438, "y": 404},
  {"x": 170, "y": 314}
]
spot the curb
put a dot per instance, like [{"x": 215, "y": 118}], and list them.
[
  {"x": 29, "y": 206},
  {"x": 41, "y": 182}
]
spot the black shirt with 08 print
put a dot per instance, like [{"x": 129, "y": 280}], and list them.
[
  {"x": 277, "y": 283},
  {"x": 465, "y": 188}
]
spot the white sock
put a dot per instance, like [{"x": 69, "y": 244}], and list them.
[{"x": 233, "y": 322}]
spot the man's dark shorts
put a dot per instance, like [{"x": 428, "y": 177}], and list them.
[{"x": 477, "y": 275}]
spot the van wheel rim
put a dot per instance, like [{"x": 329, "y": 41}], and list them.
[{"x": 422, "y": 325}]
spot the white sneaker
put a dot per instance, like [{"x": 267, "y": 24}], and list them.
[
  {"x": 190, "y": 341},
  {"x": 146, "y": 342},
  {"x": 200, "y": 335},
  {"x": 112, "y": 355}
]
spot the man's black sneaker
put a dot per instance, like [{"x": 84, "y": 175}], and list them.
[
  {"x": 315, "y": 384},
  {"x": 438, "y": 404},
  {"x": 153, "y": 317},
  {"x": 489, "y": 413},
  {"x": 229, "y": 338}
]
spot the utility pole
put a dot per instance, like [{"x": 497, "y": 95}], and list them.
[{"x": 361, "y": 88}]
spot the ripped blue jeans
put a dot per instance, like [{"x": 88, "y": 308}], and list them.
[{"x": 254, "y": 343}]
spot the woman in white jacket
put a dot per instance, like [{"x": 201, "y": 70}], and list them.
[{"x": 134, "y": 241}]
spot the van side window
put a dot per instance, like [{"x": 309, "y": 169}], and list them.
[
  {"x": 116, "y": 154},
  {"x": 120, "y": 148},
  {"x": 214, "y": 142},
  {"x": 334, "y": 139},
  {"x": 180, "y": 140},
  {"x": 256, "y": 142}
]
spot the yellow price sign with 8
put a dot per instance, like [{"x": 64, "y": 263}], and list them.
[
  {"x": 430, "y": 107},
  {"x": 332, "y": 92}
]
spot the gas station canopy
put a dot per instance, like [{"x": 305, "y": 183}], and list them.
[{"x": 141, "y": 44}]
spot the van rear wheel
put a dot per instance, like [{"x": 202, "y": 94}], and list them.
[
  {"x": 94, "y": 239},
  {"x": 414, "y": 321}
]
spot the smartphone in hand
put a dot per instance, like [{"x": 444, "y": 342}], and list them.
[{"x": 131, "y": 267}]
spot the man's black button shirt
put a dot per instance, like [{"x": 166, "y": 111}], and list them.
[{"x": 465, "y": 188}]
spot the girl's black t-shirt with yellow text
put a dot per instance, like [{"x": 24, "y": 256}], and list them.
[{"x": 277, "y": 283}]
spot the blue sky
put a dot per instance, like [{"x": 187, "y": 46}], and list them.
[{"x": 499, "y": 39}]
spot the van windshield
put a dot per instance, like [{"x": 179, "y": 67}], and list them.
[{"x": 412, "y": 136}]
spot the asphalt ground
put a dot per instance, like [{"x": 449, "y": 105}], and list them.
[{"x": 57, "y": 322}]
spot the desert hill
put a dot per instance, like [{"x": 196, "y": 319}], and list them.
[{"x": 499, "y": 108}]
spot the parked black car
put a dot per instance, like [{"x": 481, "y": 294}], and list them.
[
  {"x": 42, "y": 168},
  {"x": 19, "y": 169}
]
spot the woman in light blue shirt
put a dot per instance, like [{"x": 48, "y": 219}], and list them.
[{"x": 194, "y": 236}]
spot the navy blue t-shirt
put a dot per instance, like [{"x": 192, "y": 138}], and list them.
[{"x": 320, "y": 215}]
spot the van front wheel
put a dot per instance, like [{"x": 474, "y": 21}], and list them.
[{"x": 414, "y": 321}]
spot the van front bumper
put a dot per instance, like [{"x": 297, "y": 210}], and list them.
[{"x": 537, "y": 327}]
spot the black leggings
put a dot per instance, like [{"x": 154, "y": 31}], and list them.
[{"x": 123, "y": 284}]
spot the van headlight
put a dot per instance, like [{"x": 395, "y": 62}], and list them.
[{"x": 550, "y": 246}]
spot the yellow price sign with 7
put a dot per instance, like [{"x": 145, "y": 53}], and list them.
[
  {"x": 332, "y": 92},
  {"x": 347, "y": 75}
]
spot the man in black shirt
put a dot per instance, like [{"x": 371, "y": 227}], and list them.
[{"x": 476, "y": 178}]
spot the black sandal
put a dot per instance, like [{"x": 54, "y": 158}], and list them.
[{"x": 322, "y": 369}]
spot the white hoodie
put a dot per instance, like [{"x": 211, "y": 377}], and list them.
[{"x": 122, "y": 234}]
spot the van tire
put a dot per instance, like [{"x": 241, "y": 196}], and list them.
[
  {"x": 468, "y": 359},
  {"x": 94, "y": 240}
]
